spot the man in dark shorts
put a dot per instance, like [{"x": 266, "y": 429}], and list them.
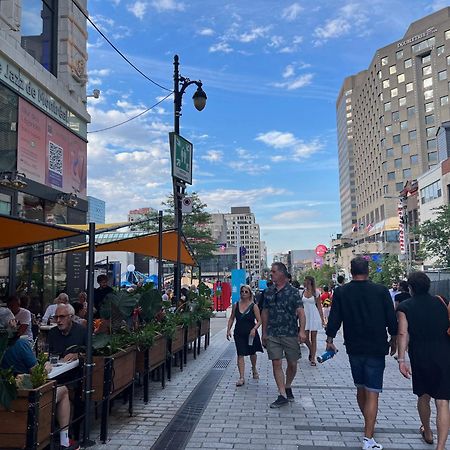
[
  {"x": 280, "y": 335},
  {"x": 365, "y": 309}
]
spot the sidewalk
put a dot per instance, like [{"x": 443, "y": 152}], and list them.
[{"x": 324, "y": 416}]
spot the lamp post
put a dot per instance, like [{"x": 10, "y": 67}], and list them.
[{"x": 180, "y": 84}]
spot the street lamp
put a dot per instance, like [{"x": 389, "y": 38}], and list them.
[{"x": 180, "y": 84}]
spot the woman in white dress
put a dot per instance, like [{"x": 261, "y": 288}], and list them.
[{"x": 314, "y": 316}]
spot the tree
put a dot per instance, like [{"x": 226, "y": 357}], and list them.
[
  {"x": 196, "y": 225},
  {"x": 390, "y": 270},
  {"x": 323, "y": 275},
  {"x": 435, "y": 236}
]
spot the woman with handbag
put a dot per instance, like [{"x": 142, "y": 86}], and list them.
[{"x": 423, "y": 329}]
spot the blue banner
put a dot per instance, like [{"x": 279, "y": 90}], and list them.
[
  {"x": 237, "y": 280},
  {"x": 262, "y": 284}
]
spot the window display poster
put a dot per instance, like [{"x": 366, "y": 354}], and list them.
[{"x": 49, "y": 153}]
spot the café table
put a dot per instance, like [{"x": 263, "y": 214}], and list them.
[{"x": 62, "y": 367}]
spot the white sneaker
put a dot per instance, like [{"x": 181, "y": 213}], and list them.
[{"x": 371, "y": 444}]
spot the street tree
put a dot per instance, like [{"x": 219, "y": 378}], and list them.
[
  {"x": 196, "y": 225},
  {"x": 386, "y": 271},
  {"x": 435, "y": 237},
  {"x": 323, "y": 275}
]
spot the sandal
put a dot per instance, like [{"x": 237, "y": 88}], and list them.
[
  {"x": 422, "y": 432},
  {"x": 240, "y": 382},
  {"x": 255, "y": 374},
  {"x": 312, "y": 363}
]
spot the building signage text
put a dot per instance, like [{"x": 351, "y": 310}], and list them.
[{"x": 417, "y": 37}]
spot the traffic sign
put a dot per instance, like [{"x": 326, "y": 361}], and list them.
[
  {"x": 181, "y": 151},
  {"x": 186, "y": 205}
]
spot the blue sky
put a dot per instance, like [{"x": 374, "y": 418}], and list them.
[{"x": 272, "y": 71}]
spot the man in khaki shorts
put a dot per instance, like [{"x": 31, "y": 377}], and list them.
[{"x": 280, "y": 334}]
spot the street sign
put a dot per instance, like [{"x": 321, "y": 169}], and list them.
[
  {"x": 321, "y": 250},
  {"x": 186, "y": 205},
  {"x": 181, "y": 151}
]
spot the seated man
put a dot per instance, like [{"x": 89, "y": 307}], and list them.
[
  {"x": 23, "y": 318},
  {"x": 20, "y": 357},
  {"x": 68, "y": 337}
]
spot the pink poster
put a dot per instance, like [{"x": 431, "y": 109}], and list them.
[{"x": 49, "y": 153}]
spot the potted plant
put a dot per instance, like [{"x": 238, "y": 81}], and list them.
[{"x": 27, "y": 405}]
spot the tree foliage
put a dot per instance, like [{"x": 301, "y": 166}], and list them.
[
  {"x": 323, "y": 275},
  {"x": 196, "y": 225},
  {"x": 435, "y": 237},
  {"x": 390, "y": 269}
]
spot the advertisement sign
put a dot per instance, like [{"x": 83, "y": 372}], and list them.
[
  {"x": 321, "y": 250},
  {"x": 49, "y": 153},
  {"x": 181, "y": 151},
  {"x": 237, "y": 280}
]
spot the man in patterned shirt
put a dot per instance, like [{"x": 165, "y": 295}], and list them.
[{"x": 280, "y": 333}]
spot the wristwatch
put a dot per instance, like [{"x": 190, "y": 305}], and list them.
[{"x": 329, "y": 340}]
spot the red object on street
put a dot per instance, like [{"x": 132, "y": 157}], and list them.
[
  {"x": 222, "y": 295},
  {"x": 321, "y": 250}
]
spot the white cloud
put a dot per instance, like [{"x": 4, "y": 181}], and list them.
[
  {"x": 138, "y": 8},
  {"x": 213, "y": 156},
  {"x": 251, "y": 168},
  {"x": 291, "y": 215},
  {"x": 223, "y": 47},
  {"x": 100, "y": 72},
  {"x": 276, "y": 41},
  {"x": 288, "y": 71},
  {"x": 206, "y": 32},
  {"x": 296, "y": 83},
  {"x": 253, "y": 34},
  {"x": 291, "y": 12},
  {"x": 168, "y": 5},
  {"x": 332, "y": 29},
  {"x": 299, "y": 226},
  {"x": 277, "y": 139}
]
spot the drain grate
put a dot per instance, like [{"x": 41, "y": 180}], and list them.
[
  {"x": 221, "y": 364},
  {"x": 179, "y": 430}
]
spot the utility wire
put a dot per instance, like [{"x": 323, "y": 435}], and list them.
[
  {"x": 117, "y": 50},
  {"x": 131, "y": 118}
]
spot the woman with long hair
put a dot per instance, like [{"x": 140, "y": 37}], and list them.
[
  {"x": 314, "y": 316},
  {"x": 246, "y": 337}
]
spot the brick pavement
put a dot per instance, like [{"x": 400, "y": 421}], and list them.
[{"x": 324, "y": 415}]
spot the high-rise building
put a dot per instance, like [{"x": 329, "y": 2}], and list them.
[
  {"x": 387, "y": 117},
  {"x": 243, "y": 231},
  {"x": 96, "y": 210},
  {"x": 263, "y": 253}
]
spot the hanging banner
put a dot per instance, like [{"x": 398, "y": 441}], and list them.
[{"x": 237, "y": 280}]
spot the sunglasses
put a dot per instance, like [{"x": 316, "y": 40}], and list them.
[{"x": 245, "y": 291}]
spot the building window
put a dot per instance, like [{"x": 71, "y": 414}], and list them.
[
  {"x": 405, "y": 149},
  {"x": 429, "y": 107},
  {"x": 428, "y": 95},
  {"x": 386, "y": 189},
  {"x": 431, "y": 144},
  {"x": 448, "y": 60},
  {"x": 391, "y": 176},
  {"x": 392, "y": 70},
  {"x": 432, "y": 157},
  {"x": 412, "y": 135},
  {"x": 427, "y": 43},
  {"x": 442, "y": 75},
  {"x": 406, "y": 173},
  {"x": 402, "y": 101},
  {"x": 444, "y": 100},
  {"x": 440, "y": 50},
  {"x": 385, "y": 84},
  {"x": 394, "y": 92},
  {"x": 39, "y": 32},
  {"x": 428, "y": 83},
  {"x": 431, "y": 132},
  {"x": 396, "y": 139},
  {"x": 426, "y": 59},
  {"x": 411, "y": 111},
  {"x": 408, "y": 63},
  {"x": 388, "y": 128},
  {"x": 387, "y": 106},
  {"x": 389, "y": 152},
  {"x": 8, "y": 123},
  {"x": 383, "y": 143},
  {"x": 379, "y": 75},
  {"x": 431, "y": 192},
  {"x": 395, "y": 116},
  {"x": 429, "y": 120},
  {"x": 398, "y": 187},
  {"x": 414, "y": 159},
  {"x": 401, "y": 78},
  {"x": 426, "y": 70},
  {"x": 384, "y": 166},
  {"x": 404, "y": 125},
  {"x": 409, "y": 87},
  {"x": 399, "y": 54},
  {"x": 384, "y": 61},
  {"x": 447, "y": 35},
  {"x": 398, "y": 163}
]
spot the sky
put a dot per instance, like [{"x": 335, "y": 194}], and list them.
[{"x": 272, "y": 70}]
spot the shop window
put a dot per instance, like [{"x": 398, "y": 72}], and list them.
[
  {"x": 8, "y": 129},
  {"x": 39, "y": 31}
]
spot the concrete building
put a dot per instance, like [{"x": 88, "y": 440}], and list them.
[
  {"x": 243, "y": 231},
  {"x": 387, "y": 117},
  {"x": 43, "y": 145},
  {"x": 96, "y": 210},
  {"x": 263, "y": 253},
  {"x": 299, "y": 260},
  {"x": 136, "y": 215}
]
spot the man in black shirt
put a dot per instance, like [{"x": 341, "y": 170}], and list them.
[
  {"x": 101, "y": 292},
  {"x": 365, "y": 309},
  {"x": 403, "y": 294}
]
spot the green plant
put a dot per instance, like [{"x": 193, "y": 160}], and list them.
[
  {"x": 38, "y": 374},
  {"x": 8, "y": 386}
]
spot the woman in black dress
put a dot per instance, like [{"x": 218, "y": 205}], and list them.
[
  {"x": 246, "y": 337},
  {"x": 422, "y": 329}
]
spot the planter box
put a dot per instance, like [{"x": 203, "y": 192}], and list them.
[
  {"x": 157, "y": 354},
  {"x": 121, "y": 370},
  {"x": 192, "y": 333},
  {"x": 205, "y": 326},
  {"x": 178, "y": 340},
  {"x": 28, "y": 423}
]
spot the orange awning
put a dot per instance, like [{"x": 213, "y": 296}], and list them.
[
  {"x": 145, "y": 244},
  {"x": 16, "y": 232}
]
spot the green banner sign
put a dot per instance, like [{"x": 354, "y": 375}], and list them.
[{"x": 181, "y": 151}]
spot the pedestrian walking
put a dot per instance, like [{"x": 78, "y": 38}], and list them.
[
  {"x": 281, "y": 334},
  {"x": 403, "y": 293},
  {"x": 325, "y": 299},
  {"x": 246, "y": 337},
  {"x": 365, "y": 309},
  {"x": 314, "y": 316},
  {"x": 423, "y": 326},
  {"x": 394, "y": 290}
]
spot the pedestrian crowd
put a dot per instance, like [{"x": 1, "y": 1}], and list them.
[{"x": 404, "y": 320}]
